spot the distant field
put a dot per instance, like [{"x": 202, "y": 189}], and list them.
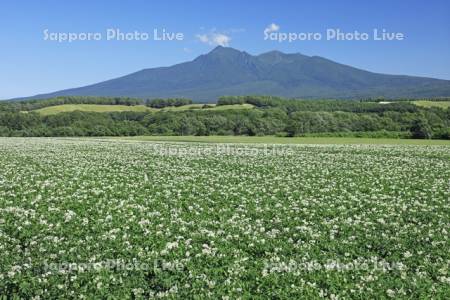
[
  {"x": 285, "y": 140},
  {"x": 184, "y": 107},
  {"x": 51, "y": 110},
  {"x": 199, "y": 106},
  {"x": 424, "y": 103},
  {"x": 235, "y": 106}
]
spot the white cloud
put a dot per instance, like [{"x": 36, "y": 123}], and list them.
[
  {"x": 214, "y": 39},
  {"x": 221, "y": 39},
  {"x": 271, "y": 28}
]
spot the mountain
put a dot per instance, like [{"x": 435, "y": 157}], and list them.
[{"x": 227, "y": 71}]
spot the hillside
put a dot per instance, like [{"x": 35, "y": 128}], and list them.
[
  {"x": 227, "y": 71},
  {"x": 441, "y": 104},
  {"x": 232, "y": 116},
  {"x": 52, "y": 110}
]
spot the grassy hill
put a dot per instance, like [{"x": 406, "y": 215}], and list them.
[
  {"x": 425, "y": 103},
  {"x": 55, "y": 109},
  {"x": 210, "y": 107},
  {"x": 51, "y": 110}
]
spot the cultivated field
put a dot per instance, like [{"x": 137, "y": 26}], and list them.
[
  {"x": 425, "y": 103},
  {"x": 51, "y": 110},
  {"x": 93, "y": 219},
  {"x": 210, "y": 107}
]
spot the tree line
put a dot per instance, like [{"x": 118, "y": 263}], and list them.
[
  {"x": 293, "y": 105},
  {"x": 288, "y": 119},
  {"x": 29, "y": 105},
  {"x": 161, "y": 103}
]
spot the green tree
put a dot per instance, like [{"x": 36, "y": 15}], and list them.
[{"x": 421, "y": 129}]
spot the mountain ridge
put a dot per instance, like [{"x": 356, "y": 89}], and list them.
[{"x": 228, "y": 71}]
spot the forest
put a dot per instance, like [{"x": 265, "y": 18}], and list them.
[{"x": 270, "y": 116}]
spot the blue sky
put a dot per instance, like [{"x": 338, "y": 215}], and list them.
[{"x": 31, "y": 65}]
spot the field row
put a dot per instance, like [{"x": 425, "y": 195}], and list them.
[{"x": 127, "y": 219}]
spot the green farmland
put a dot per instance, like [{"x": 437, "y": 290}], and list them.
[{"x": 131, "y": 219}]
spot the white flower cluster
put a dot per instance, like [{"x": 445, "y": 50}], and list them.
[{"x": 374, "y": 218}]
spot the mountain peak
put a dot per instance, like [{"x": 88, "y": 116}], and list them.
[
  {"x": 221, "y": 50},
  {"x": 226, "y": 56},
  {"x": 227, "y": 71},
  {"x": 218, "y": 48}
]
